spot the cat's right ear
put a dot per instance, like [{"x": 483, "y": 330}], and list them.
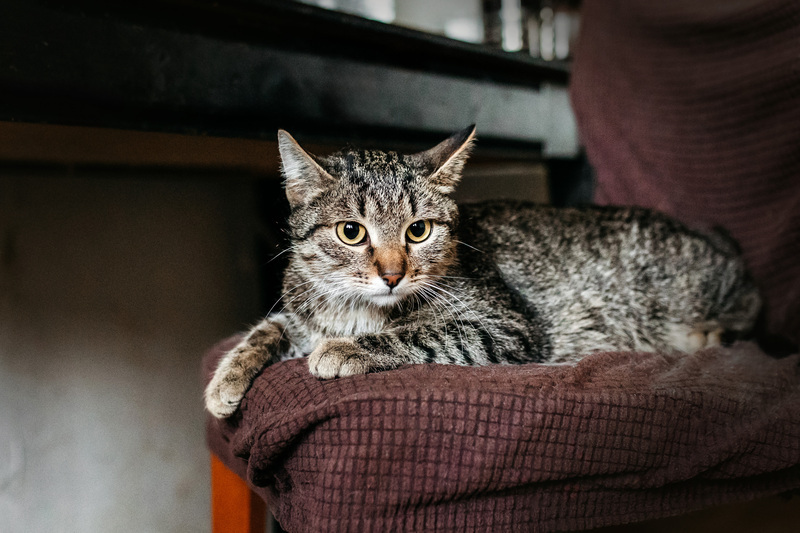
[{"x": 304, "y": 178}]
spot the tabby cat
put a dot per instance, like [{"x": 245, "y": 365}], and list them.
[{"x": 384, "y": 270}]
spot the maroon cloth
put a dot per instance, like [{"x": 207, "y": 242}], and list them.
[
  {"x": 693, "y": 107},
  {"x": 620, "y": 437}
]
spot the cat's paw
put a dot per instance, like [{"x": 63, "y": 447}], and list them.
[
  {"x": 692, "y": 339},
  {"x": 334, "y": 358},
  {"x": 225, "y": 391}
]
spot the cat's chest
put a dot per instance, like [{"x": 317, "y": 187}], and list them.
[
  {"x": 328, "y": 323},
  {"x": 349, "y": 322}
]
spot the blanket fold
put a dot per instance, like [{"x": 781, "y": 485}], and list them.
[{"x": 618, "y": 437}]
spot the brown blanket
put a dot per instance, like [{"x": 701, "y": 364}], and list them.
[{"x": 620, "y": 437}]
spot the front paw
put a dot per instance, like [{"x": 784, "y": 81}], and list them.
[
  {"x": 225, "y": 391},
  {"x": 339, "y": 358}
]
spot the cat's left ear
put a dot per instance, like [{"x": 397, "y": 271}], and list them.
[{"x": 446, "y": 160}]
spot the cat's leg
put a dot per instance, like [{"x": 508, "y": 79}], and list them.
[
  {"x": 736, "y": 322},
  {"x": 262, "y": 346},
  {"x": 460, "y": 343},
  {"x": 689, "y": 339},
  {"x": 736, "y": 318},
  {"x": 739, "y": 319}
]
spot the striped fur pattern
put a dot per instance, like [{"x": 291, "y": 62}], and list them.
[{"x": 496, "y": 283}]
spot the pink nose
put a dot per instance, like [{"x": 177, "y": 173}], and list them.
[{"x": 392, "y": 279}]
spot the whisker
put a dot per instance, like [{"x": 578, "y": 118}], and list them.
[
  {"x": 274, "y": 257},
  {"x": 451, "y": 293},
  {"x": 446, "y": 277},
  {"x": 280, "y": 298},
  {"x": 470, "y": 246},
  {"x": 447, "y": 307},
  {"x": 436, "y": 306}
]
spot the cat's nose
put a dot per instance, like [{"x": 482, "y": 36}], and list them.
[{"x": 391, "y": 279}]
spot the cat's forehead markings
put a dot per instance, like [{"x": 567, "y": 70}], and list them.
[
  {"x": 412, "y": 202},
  {"x": 362, "y": 204},
  {"x": 374, "y": 163},
  {"x": 388, "y": 208},
  {"x": 350, "y": 162}
]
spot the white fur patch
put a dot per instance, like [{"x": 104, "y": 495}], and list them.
[
  {"x": 691, "y": 339},
  {"x": 351, "y": 322}
]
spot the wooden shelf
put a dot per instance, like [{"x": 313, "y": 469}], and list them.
[{"x": 244, "y": 68}]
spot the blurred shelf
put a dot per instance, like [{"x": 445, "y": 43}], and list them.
[{"x": 244, "y": 68}]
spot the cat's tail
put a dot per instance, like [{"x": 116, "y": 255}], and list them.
[
  {"x": 742, "y": 311},
  {"x": 745, "y": 315},
  {"x": 739, "y": 301},
  {"x": 722, "y": 240}
]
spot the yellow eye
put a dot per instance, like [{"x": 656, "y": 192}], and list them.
[
  {"x": 351, "y": 233},
  {"x": 419, "y": 230}
]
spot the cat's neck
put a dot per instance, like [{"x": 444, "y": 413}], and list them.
[
  {"x": 331, "y": 316},
  {"x": 335, "y": 321}
]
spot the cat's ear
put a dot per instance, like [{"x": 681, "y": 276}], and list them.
[
  {"x": 304, "y": 178},
  {"x": 446, "y": 159}
]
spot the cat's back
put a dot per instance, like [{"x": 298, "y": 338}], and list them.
[
  {"x": 539, "y": 248},
  {"x": 518, "y": 227},
  {"x": 609, "y": 277}
]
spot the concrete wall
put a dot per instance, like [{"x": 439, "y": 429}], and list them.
[{"x": 112, "y": 284}]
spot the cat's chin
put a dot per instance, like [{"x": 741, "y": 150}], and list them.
[{"x": 385, "y": 300}]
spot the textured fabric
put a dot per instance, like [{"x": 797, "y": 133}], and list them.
[
  {"x": 620, "y": 437},
  {"x": 689, "y": 107},
  {"x": 693, "y": 108}
]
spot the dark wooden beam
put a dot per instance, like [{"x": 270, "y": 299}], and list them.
[
  {"x": 291, "y": 25},
  {"x": 244, "y": 68}
]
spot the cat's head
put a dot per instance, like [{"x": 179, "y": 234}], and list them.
[{"x": 374, "y": 227}]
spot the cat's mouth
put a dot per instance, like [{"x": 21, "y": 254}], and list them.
[{"x": 388, "y": 296}]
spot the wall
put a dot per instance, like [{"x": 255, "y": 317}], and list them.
[{"x": 112, "y": 284}]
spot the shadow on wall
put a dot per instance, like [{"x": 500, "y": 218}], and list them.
[{"x": 111, "y": 288}]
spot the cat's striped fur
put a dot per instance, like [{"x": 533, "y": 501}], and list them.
[{"x": 498, "y": 283}]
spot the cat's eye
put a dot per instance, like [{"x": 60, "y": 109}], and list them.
[
  {"x": 419, "y": 231},
  {"x": 351, "y": 233}
]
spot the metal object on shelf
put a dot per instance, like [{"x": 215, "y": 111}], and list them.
[{"x": 552, "y": 28}]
